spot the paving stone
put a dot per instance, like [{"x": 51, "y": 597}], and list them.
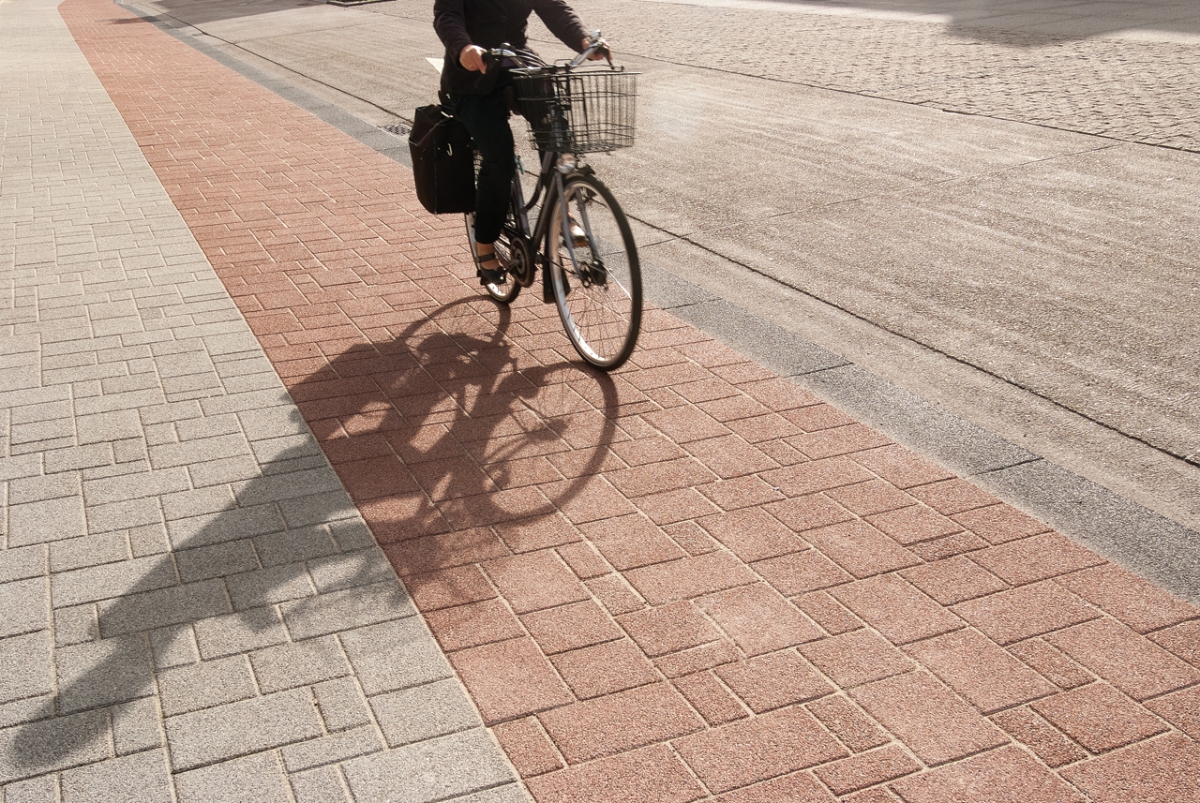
[
  {"x": 137, "y": 726},
  {"x": 168, "y": 606},
  {"x": 255, "y": 589},
  {"x": 689, "y": 578},
  {"x": 77, "y": 458},
  {"x": 711, "y": 698},
  {"x": 984, "y": 674},
  {"x": 48, "y": 520},
  {"x": 899, "y": 611},
  {"x": 474, "y": 625},
  {"x": 25, "y": 607},
  {"x": 508, "y": 793},
  {"x": 143, "y": 777},
  {"x": 92, "y": 550},
  {"x": 652, "y": 773},
  {"x": 801, "y": 572},
  {"x": 936, "y": 725},
  {"x": 758, "y": 619},
  {"x": 428, "y": 771},
  {"x": 21, "y": 465},
  {"x": 27, "y": 668},
  {"x": 747, "y": 751},
  {"x": 288, "y": 486},
  {"x": 173, "y": 646},
  {"x": 570, "y": 627},
  {"x": 321, "y": 508},
  {"x": 322, "y": 785},
  {"x": 848, "y": 723},
  {"x": 334, "y": 748},
  {"x": 954, "y": 580},
  {"x": 1181, "y": 709},
  {"x": 867, "y": 769},
  {"x": 111, "y": 580},
  {"x": 1125, "y": 659},
  {"x": 349, "y": 608},
  {"x": 1046, "y": 741},
  {"x": 37, "y": 489},
  {"x": 104, "y": 427},
  {"x": 1037, "y": 557},
  {"x": 1030, "y": 610},
  {"x": 205, "y": 685},
  {"x": 75, "y": 625},
  {"x": 187, "y": 501},
  {"x": 342, "y": 704},
  {"x": 301, "y": 663},
  {"x": 774, "y": 681},
  {"x": 1099, "y": 717},
  {"x": 528, "y": 747},
  {"x": 292, "y": 546},
  {"x": 229, "y": 525},
  {"x": 394, "y": 655},
  {"x": 246, "y": 630},
  {"x": 603, "y": 669},
  {"x": 860, "y": 549},
  {"x": 53, "y": 744},
  {"x": 98, "y": 673},
  {"x": 218, "y": 560},
  {"x": 351, "y": 569},
  {"x": 444, "y": 708},
  {"x": 124, "y": 515},
  {"x": 34, "y": 790},
  {"x": 1052, "y": 664},
  {"x": 535, "y": 581},
  {"x": 1008, "y": 775},
  {"x": 259, "y": 778},
  {"x": 509, "y": 679},
  {"x": 241, "y": 728},
  {"x": 1128, "y": 598},
  {"x": 22, "y": 563}
]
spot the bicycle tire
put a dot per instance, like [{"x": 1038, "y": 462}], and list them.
[{"x": 596, "y": 277}]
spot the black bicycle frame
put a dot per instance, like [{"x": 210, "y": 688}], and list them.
[{"x": 541, "y": 234}]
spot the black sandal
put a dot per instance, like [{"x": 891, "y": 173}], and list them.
[{"x": 490, "y": 270}]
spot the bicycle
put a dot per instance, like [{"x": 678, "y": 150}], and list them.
[{"x": 584, "y": 246}]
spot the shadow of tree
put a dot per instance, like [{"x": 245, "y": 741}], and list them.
[{"x": 424, "y": 431}]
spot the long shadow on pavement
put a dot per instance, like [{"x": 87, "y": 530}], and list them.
[{"x": 456, "y": 408}]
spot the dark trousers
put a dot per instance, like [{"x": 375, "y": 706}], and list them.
[{"x": 486, "y": 117}]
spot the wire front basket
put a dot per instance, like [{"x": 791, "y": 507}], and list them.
[{"x": 578, "y": 111}]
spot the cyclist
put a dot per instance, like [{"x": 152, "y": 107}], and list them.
[{"x": 477, "y": 95}]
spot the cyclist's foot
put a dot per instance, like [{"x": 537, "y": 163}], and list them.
[
  {"x": 490, "y": 270},
  {"x": 578, "y": 235}
]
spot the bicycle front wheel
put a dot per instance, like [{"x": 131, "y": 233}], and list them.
[{"x": 595, "y": 274}]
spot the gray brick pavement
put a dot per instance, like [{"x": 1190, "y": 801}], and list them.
[
  {"x": 193, "y": 609},
  {"x": 1133, "y": 89}
]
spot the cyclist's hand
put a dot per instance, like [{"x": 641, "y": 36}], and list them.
[
  {"x": 602, "y": 52},
  {"x": 472, "y": 57}
]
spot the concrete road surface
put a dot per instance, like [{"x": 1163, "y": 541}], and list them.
[{"x": 988, "y": 205}]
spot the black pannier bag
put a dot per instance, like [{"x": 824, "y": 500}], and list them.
[{"x": 443, "y": 161}]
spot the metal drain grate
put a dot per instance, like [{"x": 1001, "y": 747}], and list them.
[{"x": 399, "y": 129}]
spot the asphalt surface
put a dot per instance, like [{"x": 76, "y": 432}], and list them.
[{"x": 986, "y": 206}]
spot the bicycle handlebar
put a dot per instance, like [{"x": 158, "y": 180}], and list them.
[{"x": 528, "y": 58}]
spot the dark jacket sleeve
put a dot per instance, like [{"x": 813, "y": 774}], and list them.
[
  {"x": 562, "y": 21},
  {"x": 449, "y": 20}
]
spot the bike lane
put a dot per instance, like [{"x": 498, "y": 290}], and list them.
[{"x": 690, "y": 580}]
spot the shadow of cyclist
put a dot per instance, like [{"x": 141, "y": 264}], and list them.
[{"x": 438, "y": 435}]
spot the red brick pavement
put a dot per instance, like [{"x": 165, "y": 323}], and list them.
[{"x": 689, "y": 581}]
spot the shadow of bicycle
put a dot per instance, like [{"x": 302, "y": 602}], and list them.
[{"x": 445, "y": 436}]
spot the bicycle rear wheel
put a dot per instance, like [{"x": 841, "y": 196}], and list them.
[{"x": 595, "y": 273}]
